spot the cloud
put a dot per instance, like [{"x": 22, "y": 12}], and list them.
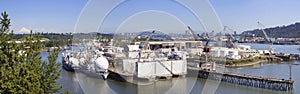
[{"x": 24, "y": 30}]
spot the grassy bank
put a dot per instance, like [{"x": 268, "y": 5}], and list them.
[
  {"x": 233, "y": 62},
  {"x": 245, "y": 61}
]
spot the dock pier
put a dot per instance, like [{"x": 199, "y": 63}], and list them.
[
  {"x": 245, "y": 80},
  {"x": 274, "y": 58},
  {"x": 287, "y": 57}
]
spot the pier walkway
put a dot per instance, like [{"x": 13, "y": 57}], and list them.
[{"x": 245, "y": 80}]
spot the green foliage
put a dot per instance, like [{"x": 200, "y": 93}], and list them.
[
  {"x": 244, "y": 61},
  {"x": 21, "y": 69},
  {"x": 289, "y": 31},
  {"x": 67, "y": 92},
  {"x": 49, "y": 76},
  {"x": 235, "y": 61},
  {"x": 62, "y": 39}
]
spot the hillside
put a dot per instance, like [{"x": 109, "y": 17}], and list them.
[{"x": 290, "y": 31}]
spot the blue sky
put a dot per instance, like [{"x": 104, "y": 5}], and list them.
[
  {"x": 137, "y": 15},
  {"x": 42, "y": 15},
  {"x": 243, "y": 14}
]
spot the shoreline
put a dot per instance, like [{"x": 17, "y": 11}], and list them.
[{"x": 247, "y": 64}]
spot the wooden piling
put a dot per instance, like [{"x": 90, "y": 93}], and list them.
[{"x": 245, "y": 80}]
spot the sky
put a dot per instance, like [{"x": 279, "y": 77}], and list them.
[
  {"x": 63, "y": 16},
  {"x": 243, "y": 15}
]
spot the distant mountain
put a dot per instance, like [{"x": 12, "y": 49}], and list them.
[{"x": 290, "y": 31}]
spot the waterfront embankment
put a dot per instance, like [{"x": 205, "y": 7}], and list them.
[{"x": 245, "y": 64}]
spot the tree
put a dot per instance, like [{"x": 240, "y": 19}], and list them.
[{"x": 21, "y": 67}]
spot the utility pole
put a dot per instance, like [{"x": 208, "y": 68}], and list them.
[{"x": 290, "y": 71}]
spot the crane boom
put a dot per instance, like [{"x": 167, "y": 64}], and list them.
[
  {"x": 264, "y": 32},
  {"x": 231, "y": 36},
  {"x": 197, "y": 38},
  {"x": 266, "y": 37},
  {"x": 230, "y": 43}
]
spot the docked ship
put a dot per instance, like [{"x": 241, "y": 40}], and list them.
[
  {"x": 69, "y": 63},
  {"x": 92, "y": 63}
]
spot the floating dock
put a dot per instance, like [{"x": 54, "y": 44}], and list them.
[
  {"x": 118, "y": 75},
  {"x": 149, "y": 71},
  {"x": 245, "y": 80}
]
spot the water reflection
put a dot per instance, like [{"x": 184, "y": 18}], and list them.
[
  {"x": 93, "y": 86},
  {"x": 69, "y": 82}
]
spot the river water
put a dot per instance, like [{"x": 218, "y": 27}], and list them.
[{"x": 79, "y": 83}]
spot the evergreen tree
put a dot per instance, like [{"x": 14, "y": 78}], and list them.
[{"x": 21, "y": 67}]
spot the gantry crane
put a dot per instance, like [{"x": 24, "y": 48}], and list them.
[
  {"x": 208, "y": 65},
  {"x": 230, "y": 43}
]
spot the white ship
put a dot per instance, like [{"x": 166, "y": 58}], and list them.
[{"x": 92, "y": 63}]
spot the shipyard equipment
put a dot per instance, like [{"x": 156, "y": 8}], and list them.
[
  {"x": 197, "y": 38},
  {"x": 267, "y": 39},
  {"x": 230, "y": 40}
]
